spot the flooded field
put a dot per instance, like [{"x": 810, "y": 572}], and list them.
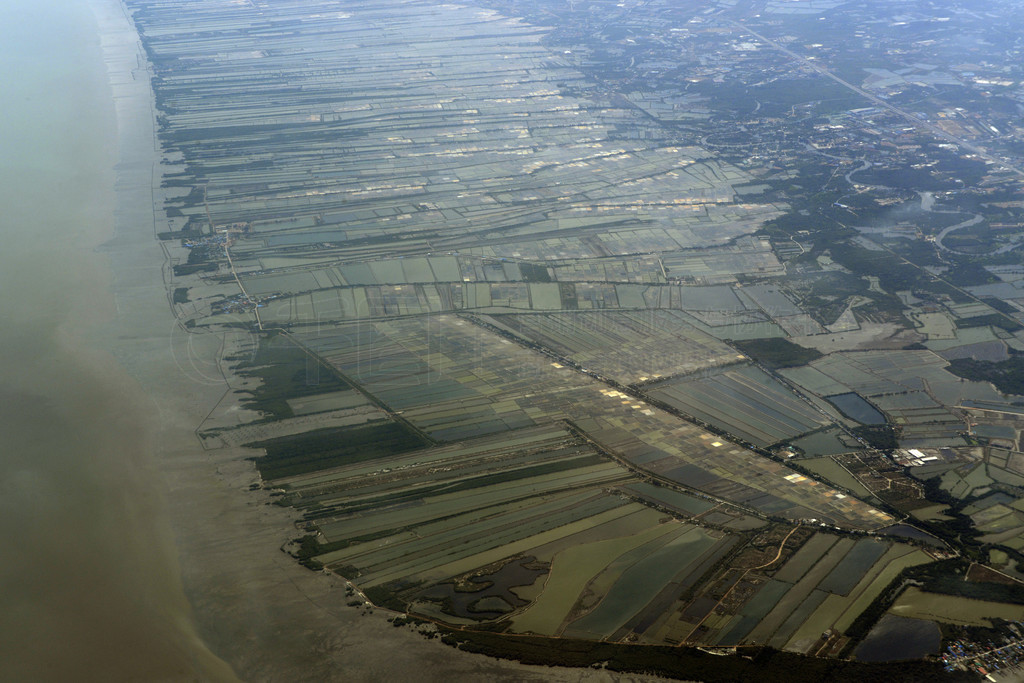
[{"x": 895, "y": 638}]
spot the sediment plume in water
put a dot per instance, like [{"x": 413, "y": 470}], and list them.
[{"x": 89, "y": 581}]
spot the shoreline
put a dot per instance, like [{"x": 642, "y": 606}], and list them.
[
  {"x": 132, "y": 333},
  {"x": 253, "y": 605},
  {"x": 91, "y": 587}
]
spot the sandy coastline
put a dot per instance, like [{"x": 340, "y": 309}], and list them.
[{"x": 252, "y": 605}]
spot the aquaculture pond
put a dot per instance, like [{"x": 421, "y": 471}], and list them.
[
  {"x": 897, "y": 638},
  {"x": 856, "y": 408}
]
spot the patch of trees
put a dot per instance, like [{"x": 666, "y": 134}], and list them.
[
  {"x": 753, "y": 665},
  {"x": 533, "y": 272},
  {"x": 947, "y": 578},
  {"x": 285, "y": 371},
  {"x": 777, "y": 352},
  {"x": 183, "y": 269},
  {"x": 969, "y": 274},
  {"x": 1007, "y": 375},
  {"x": 993, "y": 319},
  {"x": 332, "y": 447},
  {"x": 882, "y": 437}
]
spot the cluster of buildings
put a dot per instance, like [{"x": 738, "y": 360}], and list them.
[{"x": 995, "y": 661}]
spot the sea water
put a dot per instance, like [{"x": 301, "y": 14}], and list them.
[{"x": 89, "y": 582}]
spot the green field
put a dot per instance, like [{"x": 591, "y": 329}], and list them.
[
  {"x": 950, "y": 609},
  {"x": 839, "y": 611},
  {"x": 829, "y": 469},
  {"x": 639, "y": 583},
  {"x": 744, "y": 401},
  {"x": 805, "y": 558},
  {"x": 571, "y": 570}
]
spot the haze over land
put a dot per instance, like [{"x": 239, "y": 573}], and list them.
[{"x": 562, "y": 329}]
